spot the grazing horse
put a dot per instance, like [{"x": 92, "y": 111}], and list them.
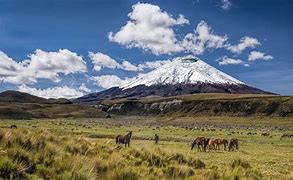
[
  {"x": 200, "y": 142},
  {"x": 233, "y": 144},
  {"x": 13, "y": 126},
  {"x": 212, "y": 144},
  {"x": 124, "y": 139},
  {"x": 221, "y": 141}
]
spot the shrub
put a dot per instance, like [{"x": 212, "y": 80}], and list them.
[
  {"x": 100, "y": 167},
  {"x": 22, "y": 157},
  {"x": 125, "y": 174},
  {"x": 9, "y": 169},
  {"x": 179, "y": 158},
  {"x": 240, "y": 163},
  {"x": 196, "y": 163},
  {"x": 173, "y": 171}
]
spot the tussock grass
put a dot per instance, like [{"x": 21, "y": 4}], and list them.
[
  {"x": 29, "y": 154},
  {"x": 50, "y": 149}
]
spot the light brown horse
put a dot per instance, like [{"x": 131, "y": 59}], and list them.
[
  {"x": 221, "y": 141},
  {"x": 233, "y": 144},
  {"x": 212, "y": 144},
  {"x": 124, "y": 139}
]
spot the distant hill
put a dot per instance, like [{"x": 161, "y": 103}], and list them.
[
  {"x": 21, "y": 97},
  {"x": 16, "y": 96},
  {"x": 19, "y": 105}
]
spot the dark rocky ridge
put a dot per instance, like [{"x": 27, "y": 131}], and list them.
[
  {"x": 278, "y": 106},
  {"x": 167, "y": 91}
]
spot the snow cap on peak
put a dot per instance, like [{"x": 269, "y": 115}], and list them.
[{"x": 182, "y": 70}]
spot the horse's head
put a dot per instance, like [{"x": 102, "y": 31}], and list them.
[{"x": 130, "y": 133}]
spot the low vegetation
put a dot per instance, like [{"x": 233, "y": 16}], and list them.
[{"x": 65, "y": 149}]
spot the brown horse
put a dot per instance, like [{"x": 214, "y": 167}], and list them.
[
  {"x": 212, "y": 144},
  {"x": 200, "y": 142},
  {"x": 124, "y": 139},
  {"x": 221, "y": 141},
  {"x": 233, "y": 144}
]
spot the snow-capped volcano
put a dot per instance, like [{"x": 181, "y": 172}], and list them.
[
  {"x": 183, "y": 75},
  {"x": 182, "y": 70}
]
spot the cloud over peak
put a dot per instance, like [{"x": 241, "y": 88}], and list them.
[
  {"x": 203, "y": 38},
  {"x": 230, "y": 61},
  {"x": 150, "y": 29},
  {"x": 101, "y": 60},
  {"x": 245, "y": 42}
]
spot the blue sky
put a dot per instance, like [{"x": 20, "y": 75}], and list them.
[{"x": 82, "y": 26}]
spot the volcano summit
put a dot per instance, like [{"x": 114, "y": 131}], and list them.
[{"x": 182, "y": 75}]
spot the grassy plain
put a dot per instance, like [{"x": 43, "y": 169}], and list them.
[{"x": 85, "y": 149}]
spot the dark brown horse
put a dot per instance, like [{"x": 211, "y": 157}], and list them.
[
  {"x": 200, "y": 142},
  {"x": 233, "y": 144},
  {"x": 124, "y": 139}
]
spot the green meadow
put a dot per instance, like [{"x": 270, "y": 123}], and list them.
[{"x": 86, "y": 149}]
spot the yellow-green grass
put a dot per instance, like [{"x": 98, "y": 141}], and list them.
[{"x": 267, "y": 156}]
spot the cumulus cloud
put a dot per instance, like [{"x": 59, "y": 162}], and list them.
[
  {"x": 101, "y": 60},
  {"x": 226, "y": 4},
  {"x": 150, "y": 29},
  {"x": 55, "y": 92},
  {"x": 203, "y": 38},
  {"x": 230, "y": 61},
  {"x": 40, "y": 65},
  {"x": 107, "y": 81},
  {"x": 255, "y": 55},
  {"x": 245, "y": 42}
]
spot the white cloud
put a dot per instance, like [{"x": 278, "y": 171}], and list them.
[
  {"x": 40, "y": 64},
  {"x": 152, "y": 64},
  {"x": 245, "y": 42},
  {"x": 128, "y": 66},
  {"x": 254, "y": 55},
  {"x": 226, "y": 4},
  {"x": 101, "y": 60},
  {"x": 150, "y": 29},
  {"x": 54, "y": 92},
  {"x": 83, "y": 88},
  {"x": 230, "y": 61},
  {"x": 203, "y": 38},
  {"x": 107, "y": 81}
]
